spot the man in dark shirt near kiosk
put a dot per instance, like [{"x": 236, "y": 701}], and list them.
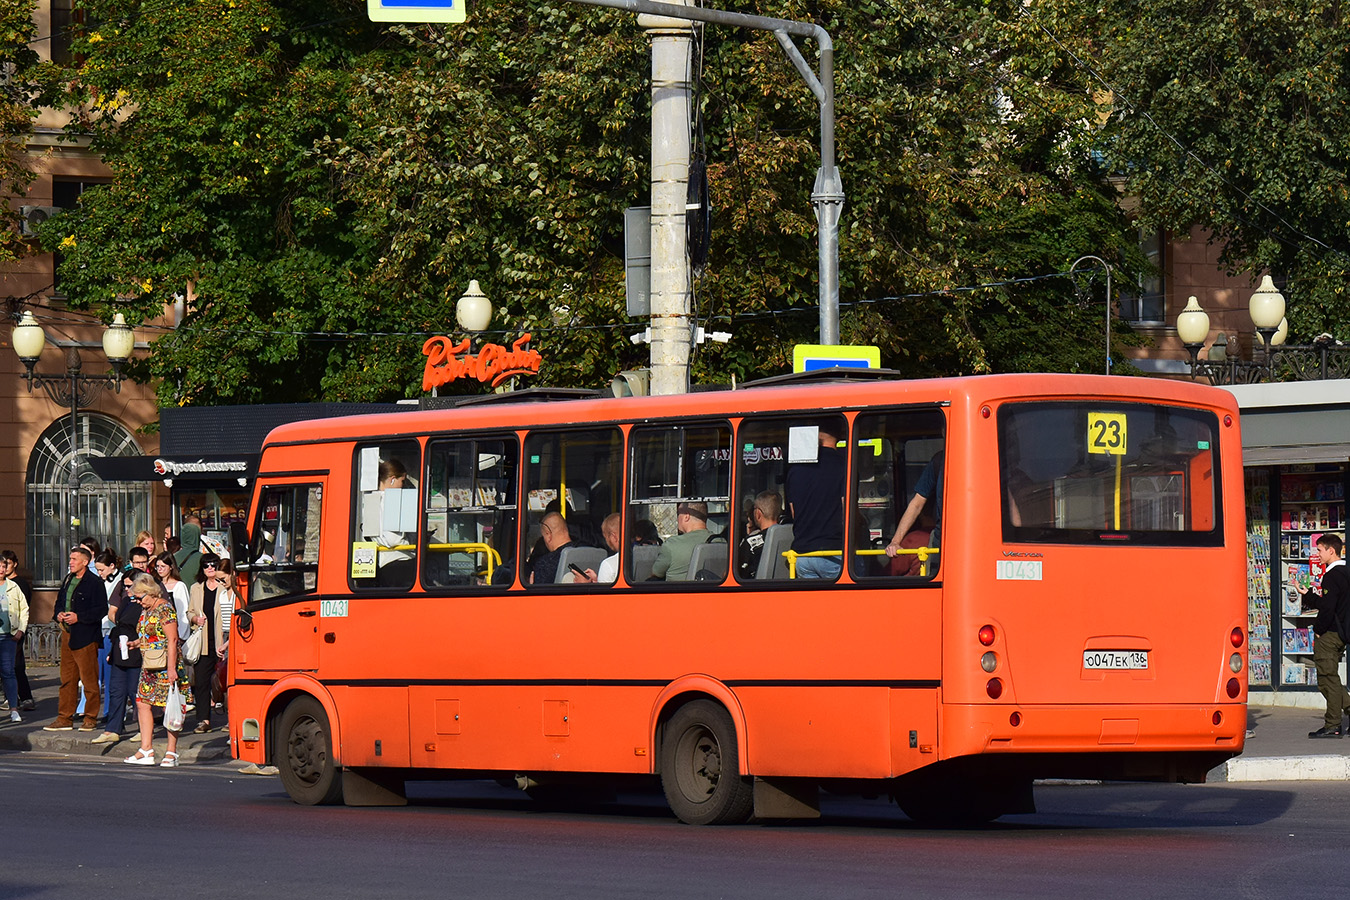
[
  {"x": 815, "y": 496},
  {"x": 1331, "y": 629}
]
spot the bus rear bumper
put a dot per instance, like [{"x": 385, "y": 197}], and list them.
[{"x": 1166, "y": 742}]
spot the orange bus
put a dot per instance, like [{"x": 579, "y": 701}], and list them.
[{"x": 701, "y": 590}]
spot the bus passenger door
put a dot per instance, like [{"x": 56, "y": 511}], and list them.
[{"x": 282, "y": 569}]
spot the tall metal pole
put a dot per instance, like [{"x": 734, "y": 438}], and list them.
[
  {"x": 827, "y": 195},
  {"x": 671, "y": 279}
]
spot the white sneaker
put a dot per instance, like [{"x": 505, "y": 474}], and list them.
[{"x": 14, "y": 716}]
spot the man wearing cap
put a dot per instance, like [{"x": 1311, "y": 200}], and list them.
[
  {"x": 672, "y": 563},
  {"x": 81, "y": 604}
]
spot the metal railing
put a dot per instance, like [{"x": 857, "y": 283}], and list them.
[
  {"x": 1309, "y": 362},
  {"x": 42, "y": 646}
]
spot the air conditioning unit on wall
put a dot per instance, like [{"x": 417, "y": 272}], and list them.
[{"x": 33, "y": 217}]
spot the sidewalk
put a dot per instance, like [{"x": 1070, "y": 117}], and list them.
[
  {"x": 1278, "y": 749},
  {"x": 214, "y": 746}
]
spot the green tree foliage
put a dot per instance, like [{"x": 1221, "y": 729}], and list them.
[
  {"x": 27, "y": 83},
  {"x": 1231, "y": 115},
  {"x": 305, "y": 172}
]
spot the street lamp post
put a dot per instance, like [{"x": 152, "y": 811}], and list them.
[
  {"x": 1224, "y": 365},
  {"x": 1267, "y": 310},
  {"x": 1193, "y": 328},
  {"x": 74, "y": 389},
  {"x": 1107, "y": 266}
]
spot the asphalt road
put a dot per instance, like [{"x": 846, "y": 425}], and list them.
[{"x": 95, "y": 828}]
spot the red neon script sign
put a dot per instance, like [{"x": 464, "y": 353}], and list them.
[{"x": 493, "y": 363}]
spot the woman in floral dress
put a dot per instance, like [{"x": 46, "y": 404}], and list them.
[{"x": 158, "y": 629}]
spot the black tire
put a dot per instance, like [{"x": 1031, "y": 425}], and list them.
[
  {"x": 304, "y": 754},
  {"x": 700, "y": 767}
]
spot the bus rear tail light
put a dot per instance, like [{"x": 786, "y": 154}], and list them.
[
  {"x": 1235, "y": 663},
  {"x": 1234, "y": 688},
  {"x": 987, "y": 635},
  {"x": 1015, "y": 719},
  {"x": 1237, "y": 638},
  {"x": 1217, "y": 718},
  {"x": 989, "y": 662},
  {"x": 995, "y": 688}
]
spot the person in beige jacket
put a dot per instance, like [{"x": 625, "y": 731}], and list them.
[
  {"x": 13, "y": 623},
  {"x": 204, "y": 603}
]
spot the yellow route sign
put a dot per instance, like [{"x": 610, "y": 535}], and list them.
[{"x": 1106, "y": 433}]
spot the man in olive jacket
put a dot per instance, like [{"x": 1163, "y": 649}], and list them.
[
  {"x": 81, "y": 604},
  {"x": 1332, "y": 629}
]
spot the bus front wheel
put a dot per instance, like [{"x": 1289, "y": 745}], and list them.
[
  {"x": 700, "y": 767},
  {"x": 304, "y": 754}
]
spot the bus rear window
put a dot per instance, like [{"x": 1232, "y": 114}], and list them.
[{"x": 1095, "y": 472}]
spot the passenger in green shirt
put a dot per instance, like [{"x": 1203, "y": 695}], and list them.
[{"x": 672, "y": 563}]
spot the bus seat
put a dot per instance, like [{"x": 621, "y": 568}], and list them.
[
  {"x": 582, "y": 557},
  {"x": 708, "y": 562},
  {"x": 772, "y": 564},
  {"x": 644, "y": 557}
]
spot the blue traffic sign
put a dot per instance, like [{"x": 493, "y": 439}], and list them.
[{"x": 415, "y": 10}]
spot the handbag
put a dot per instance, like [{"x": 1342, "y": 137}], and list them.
[
  {"x": 155, "y": 658},
  {"x": 192, "y": 647},
  {"x": 174, "y": 712}
]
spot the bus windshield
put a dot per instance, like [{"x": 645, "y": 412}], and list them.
[{"x": 1109, "y": 472}]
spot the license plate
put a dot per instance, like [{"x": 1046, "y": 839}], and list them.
[{"x": 1115, "y": 659}]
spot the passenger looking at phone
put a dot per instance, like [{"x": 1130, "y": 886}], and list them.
[
  {"x": 691, "y": 522},
  {"x": 608, "y": 573},
  {"x": 766, "y": 511},
  {"x": 553, "y": 531}
]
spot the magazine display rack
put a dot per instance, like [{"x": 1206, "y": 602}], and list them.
[{"x": 1312, "y": 502}]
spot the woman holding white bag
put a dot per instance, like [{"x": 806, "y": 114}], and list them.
[
  {"x": 204, "y": 608},
  {"x": 163, "y": 682}
]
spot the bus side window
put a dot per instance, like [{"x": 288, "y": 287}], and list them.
[
  {"x": 384, "y": 523},
  {"x": 470, "y": 534},
  {"x": 899, "y": 478},
  {"x": 283, "y": 557},
  {"x": 572, "y": 482},
  {"x": 680, "y": 490},
  {"x": 768, "y": 541}
]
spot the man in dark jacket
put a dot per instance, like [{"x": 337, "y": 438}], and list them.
[
  {"x": 81, "y": 604},
  {"x": 1332, "y": 628}
]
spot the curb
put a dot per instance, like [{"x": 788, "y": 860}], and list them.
[
  {"x": 213, "y": 749},
  {"x": 1283, "y": 768}
]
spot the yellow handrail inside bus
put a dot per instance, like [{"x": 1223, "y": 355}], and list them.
[
  {"x": 1120, "y": 461},
  {"x": 492, "y": 559},
  {"x": 921, "y": 552}
]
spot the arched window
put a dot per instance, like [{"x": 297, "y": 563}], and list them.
[{"x": 111, "y": 512}]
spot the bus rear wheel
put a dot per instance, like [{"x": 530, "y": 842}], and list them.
[
  {"x": 700, "y": 767},
  {"x": 304, "y": 754}
]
